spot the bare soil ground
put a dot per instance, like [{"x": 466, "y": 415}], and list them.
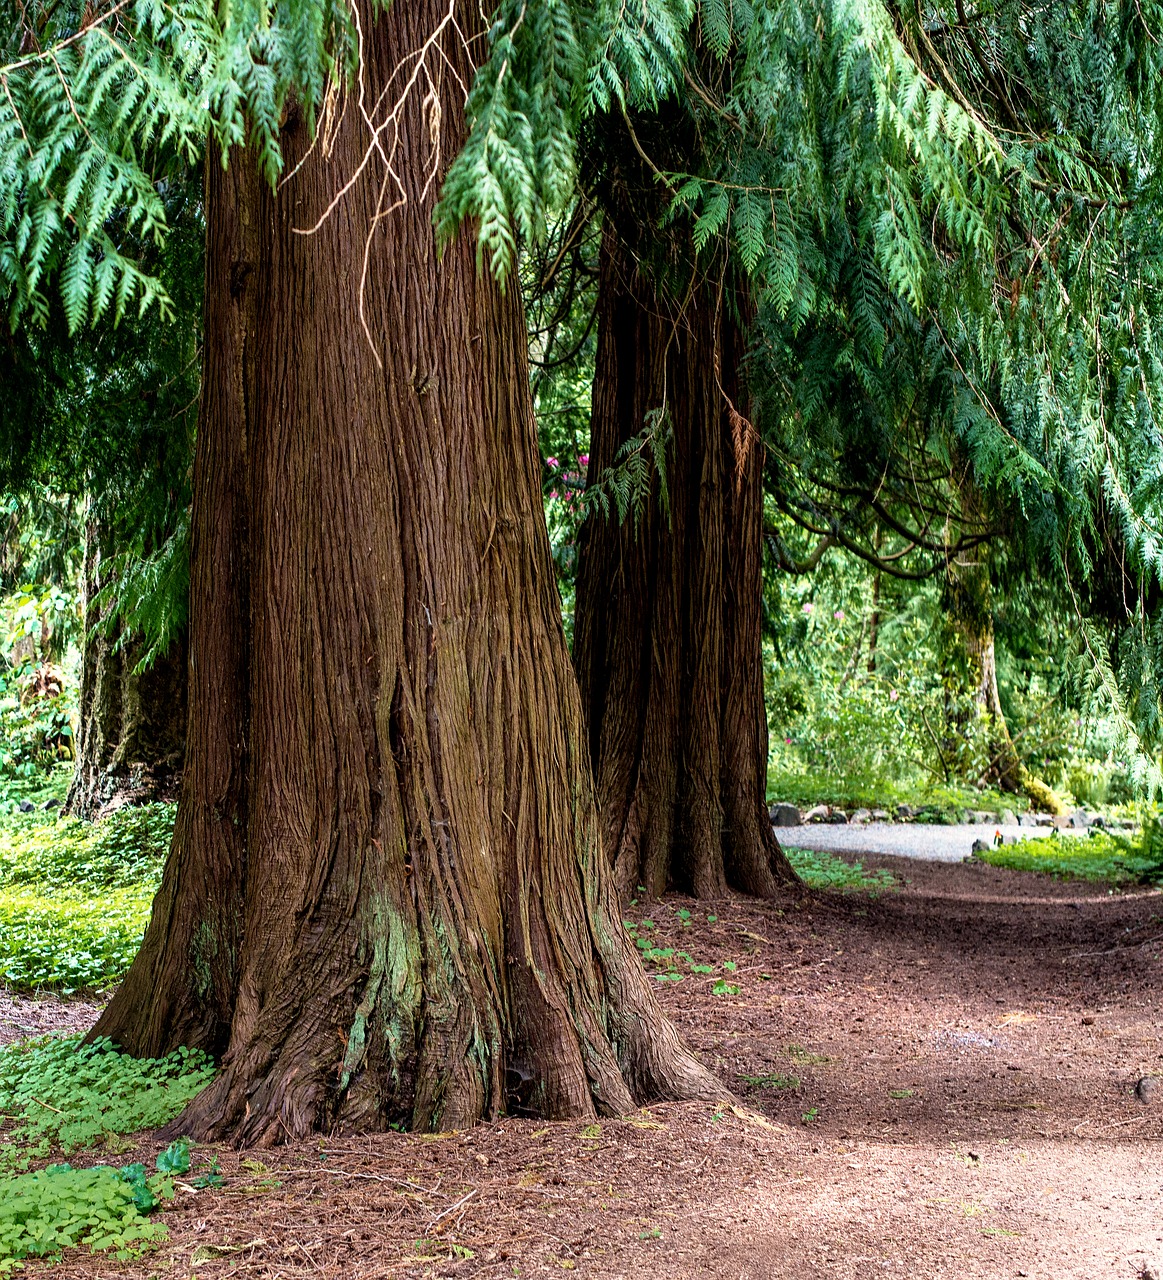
[{"x": 935, "y": 1082}]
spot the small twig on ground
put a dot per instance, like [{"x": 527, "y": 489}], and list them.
[
  {"x": 452, "y": 1208},
  {"x": 1115, "y": 1124},
  {"x": 369, "y": 1177},
  {"x": 1121, "y": 946}
]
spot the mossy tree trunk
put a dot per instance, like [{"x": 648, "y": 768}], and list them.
[
  {"x": 131, "y": 732},
  {"x": 969, "y": 604},
  {"x": 386, "y": 900},
  {"x": 667, "y": 633}
]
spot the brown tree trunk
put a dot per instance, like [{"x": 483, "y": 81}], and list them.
[
  {"x": 667, "y": 633},
  {"x": 131, "y": 734},
  {"x": 387, "y": 897}
]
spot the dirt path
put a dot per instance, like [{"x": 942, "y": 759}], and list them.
[
  {"x": 924, "y": 840},
  {"x": 937, "y": 1082}
]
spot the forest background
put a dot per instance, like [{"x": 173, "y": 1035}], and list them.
[{"x": 877, "y": 618}]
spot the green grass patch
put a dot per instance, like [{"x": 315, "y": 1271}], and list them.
[
  {"x": 771, "y": 1080},
  {"x": 1098, "y": 856},
  {"x": 825, "y": 871},
  {"x": 75, "y": 896}
]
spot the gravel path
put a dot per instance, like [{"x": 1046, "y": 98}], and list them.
[{"x": 925, "y": 841}]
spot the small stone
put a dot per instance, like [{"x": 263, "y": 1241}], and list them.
[
  {"x": 880, "y": 815},
  {"x": 905, "y": 811},
  {"x": 1009, "y": 818},
  {"x": 861, "y": 815},
  {"x": 981, "y": 846},
  {"x": 51, "y": 804},
  {"x": 1043, "y": 819},
  {"x": 1149, "y": 1090},
  {"x": 26, "y": 806},
  {"x": 837, "y": 816},
  {"x": 820, "y": 813},
  {"x": 1088, "y": 1019},
  {"x": 785, "y": 815},
  {"x": 1080, "y": 818}
]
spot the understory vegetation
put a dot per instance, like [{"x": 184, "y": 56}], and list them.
[
  {"x": 1100, "y": 856},
  {"x": 75, "y": 895},
  {"x": 871, "y": 704},
  {"x": 61, "y": 1097}
]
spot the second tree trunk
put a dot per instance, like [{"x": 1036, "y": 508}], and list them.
[
  {"x": 132, "y": 724},
  {"x": 668, "y": 643}
]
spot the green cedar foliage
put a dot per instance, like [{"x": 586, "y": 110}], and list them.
[
  {"x": 101, "y": 106},
  {"x": 992, "y": 165}
]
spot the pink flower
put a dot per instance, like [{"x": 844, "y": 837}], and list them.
[
  {"x": 839, "y": 615},
  {"x": 893, "y": 695},
  {"x": 584, "y": 459},
  {"x": 553, "y": 493},
  {"x": 807, "y": 606},
  {"x": 551, "y": 462}
]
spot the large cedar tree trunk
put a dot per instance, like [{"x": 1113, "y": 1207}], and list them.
[
  {"x": 386, "y": 900},
  {"x": 667, "y": 634},
  {"x": 131, "y": 733}
]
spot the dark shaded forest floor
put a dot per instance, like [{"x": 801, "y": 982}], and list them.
[{"x": 938, "y": 1081}]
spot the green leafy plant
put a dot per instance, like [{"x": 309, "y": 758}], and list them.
[
  {"x": 825, "y": 871},
  {"x": 1100, "y": 856},
  {"x": 62, "y": 1094},
  {"x": 44, "y": 1213}
]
